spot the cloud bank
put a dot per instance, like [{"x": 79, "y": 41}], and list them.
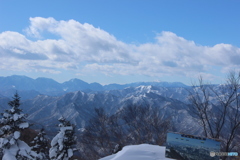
[{"x": 48, "y": 45}]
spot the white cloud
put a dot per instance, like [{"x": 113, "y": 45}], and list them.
[{"x": 85, "y": 48}]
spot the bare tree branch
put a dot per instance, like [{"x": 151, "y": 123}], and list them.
[{"x": 218, "y": 110}]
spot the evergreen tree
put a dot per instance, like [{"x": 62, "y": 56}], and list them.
[
  {"x": 12, "y": 123},
  {"x": 62, "y": 143},
  {"x": 40, "y": 145}
]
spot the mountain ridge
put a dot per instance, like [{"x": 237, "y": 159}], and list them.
[
  {"x": 79, "y": 106},
  {"x": 48, "y": 86}
]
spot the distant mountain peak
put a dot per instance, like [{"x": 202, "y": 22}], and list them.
[{"x": 48, "y": 86}]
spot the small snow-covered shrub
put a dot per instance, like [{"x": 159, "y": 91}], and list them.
[{"x": 62, "y": 143}]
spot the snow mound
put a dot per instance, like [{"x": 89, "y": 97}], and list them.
[
  {"x": 139, "y": 152},
  {"x": 20, "y": 148}
]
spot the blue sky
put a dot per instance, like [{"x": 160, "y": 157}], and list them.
[{"x": 120, "y": 41}]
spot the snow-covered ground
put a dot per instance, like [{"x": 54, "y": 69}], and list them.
[{"x": 139, "y": 152}]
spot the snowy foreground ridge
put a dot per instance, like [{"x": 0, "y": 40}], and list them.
[{"x": 139, "y": 152}]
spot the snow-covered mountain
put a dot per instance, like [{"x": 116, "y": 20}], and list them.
[
  {"x": 79, "y": 106},
  {"x": 29, "y": 88},
  {"x": 45, "y": 100}
]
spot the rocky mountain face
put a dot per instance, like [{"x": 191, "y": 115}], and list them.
[
  {"x": 45, "y": 100},
  {"x": 79, "y": 106}
]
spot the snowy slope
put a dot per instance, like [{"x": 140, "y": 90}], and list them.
[
  {"x": 139, "y": 152},
  {"x": 79, "y": 106}
]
